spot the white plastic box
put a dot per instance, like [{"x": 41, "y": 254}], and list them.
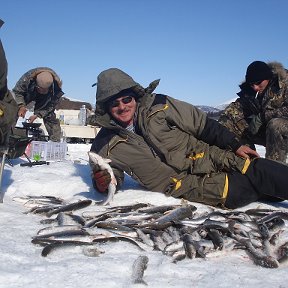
[{"x": 47, "y": 151}]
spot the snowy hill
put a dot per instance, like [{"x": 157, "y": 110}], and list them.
[
  {"x": 208, "y": 109},
  {"x": 212, "y": 112},
  {"x": 225, "y": 104}
]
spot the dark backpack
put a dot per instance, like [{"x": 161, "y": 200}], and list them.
[{"x": 17, "y": 146}]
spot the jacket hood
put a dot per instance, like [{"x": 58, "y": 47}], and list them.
[
  {"x": 279, "y": 74},
  {"x": 112, "y": 81},
  {"x": 279, "y": 71}
]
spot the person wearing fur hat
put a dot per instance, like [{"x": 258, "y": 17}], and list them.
[
  {"x": 8, "y": 106},
  {"x": 172, "y": 147},
  {"x": 260, "y": 113},
  {"x": 43, "y": 87}
]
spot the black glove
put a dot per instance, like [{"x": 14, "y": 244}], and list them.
[{"x": 102, "y": 179}]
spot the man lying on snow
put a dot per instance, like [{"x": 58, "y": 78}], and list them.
[{"x": 172, "y": 147}]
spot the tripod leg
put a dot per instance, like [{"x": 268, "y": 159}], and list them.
[
  {"x": 27, "y": 158},
  {"x": 1, "y": 175}
]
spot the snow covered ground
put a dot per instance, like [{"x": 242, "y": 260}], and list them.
[{"x": 22, "y": 265}]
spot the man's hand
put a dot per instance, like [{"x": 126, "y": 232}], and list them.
[
  {"x": 22, "y": 111},
  {"x": 32, "y": 118},
  {"x": 102, "y": 180},
  {"x": 246, "y": 152}
]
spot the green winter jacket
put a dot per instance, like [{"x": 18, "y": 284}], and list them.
[{"x": 172, "y": 150}]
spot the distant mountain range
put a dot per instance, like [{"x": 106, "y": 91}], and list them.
[{"x": 214, "y": 112}]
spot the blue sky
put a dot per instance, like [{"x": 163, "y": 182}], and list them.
[{"x": 199, "y": 49}]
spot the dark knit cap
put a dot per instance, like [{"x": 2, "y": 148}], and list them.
[{"x": 258, "y": 71}]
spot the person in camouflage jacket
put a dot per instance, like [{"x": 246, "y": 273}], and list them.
[
  {"x": 260, "y": 114},
  {"x": 43, "y": 87},
  {"x": 172, "y": 147},
  {"x": 8, "y": 106}
]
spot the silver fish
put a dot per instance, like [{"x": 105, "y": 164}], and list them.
[
  {"x": 92, "y": 251},
  {"x": 32, "y": 201},
  {"x": 67, "y": 218},
  {"x": 175, "y": 215},
  {"x": 199, "y": 249},
  {"x": 53, "y": 229},
  {"x": 258, "y": 257},
  {"x": 48, "y": 248},
  {"x": 282, "y": 253},
  {"x": 69, "y": 207},
  {"x": 139, "y": 266},
  {"x": 64, "y": 232},
  {"x": 144, "y": 238},
  {"x": 190, "y": 249},
  {"x": 217, "y": 238},
  {"x": 178, "y": 255},
  {"x": 159, "y": 243},
  {"x": 173, "y": 247},
  {"x": 103, "y": 163}
]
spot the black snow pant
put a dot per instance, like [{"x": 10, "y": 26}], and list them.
[{"x": 264, "y": 180}]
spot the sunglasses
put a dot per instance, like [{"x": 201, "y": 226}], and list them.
[{"x": 116, "y": 102}]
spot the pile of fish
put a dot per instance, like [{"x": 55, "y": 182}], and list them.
[{"x": 179, "y": 231}]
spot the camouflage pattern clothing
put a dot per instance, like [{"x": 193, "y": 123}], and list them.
[
  {"x": 272, "y": 108},
  {"x": 8, "y": 106},
  {"x": 25, "y": 93}
]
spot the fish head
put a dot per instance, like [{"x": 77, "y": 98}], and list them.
[{"x": 97, "y": 159}]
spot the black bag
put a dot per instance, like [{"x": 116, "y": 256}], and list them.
[{"x": 17, "y": 146}]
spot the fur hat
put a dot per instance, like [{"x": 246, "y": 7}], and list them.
[
  {"x": 258, "y": 71},
  {"x": 44, "y": 79}
]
